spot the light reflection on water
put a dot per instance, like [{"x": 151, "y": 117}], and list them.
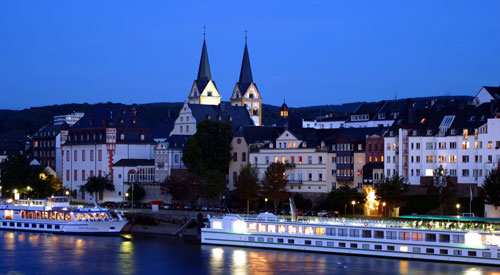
[{"x": 28, "y": 253}]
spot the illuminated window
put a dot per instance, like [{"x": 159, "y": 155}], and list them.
[
  {"x": 308, "y": 230},
  {"x": 281, "y": 228},
  {"x": 271, "y": 228},
  {"x": 320, "y": 231},
  {"x": 252, "y": 227},
  {"x": 262, "y": 227},
  {"x": 217, "y": 225},
  {"x": 292, "y": 229},
  {"x": 490, "y": 144},
  {"x": 283, "y": 159},
  {"x": 429, "y": 172},
  {"x": 276, "y": 159}
]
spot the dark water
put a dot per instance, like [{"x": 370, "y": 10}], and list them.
[{"x": 34, "y": 253}]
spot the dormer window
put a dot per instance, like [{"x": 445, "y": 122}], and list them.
[
  {"x": 250, "y": 95},
  {"x": 304, "y": 144},
  {"x": 429, "y": 132},
  {"x": 182, "y": 118},
  {"x": 122, "y": 121},
  {"x": 122, "y": 136},
  {"x": 142, "y": 136},
  {"x": 209, "y": 93},
  {"x": 134, "y": 121}
]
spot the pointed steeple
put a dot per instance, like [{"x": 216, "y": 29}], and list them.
[
  {"x": 204, "y": 74},
  {"x": 246, "y": 71}
]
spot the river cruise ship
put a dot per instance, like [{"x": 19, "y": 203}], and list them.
[
  {"x": 450, "y": 239},
  {"x": 56, "y": 215}
]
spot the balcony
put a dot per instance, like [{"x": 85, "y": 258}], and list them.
[{"x": 295, "y": 182}]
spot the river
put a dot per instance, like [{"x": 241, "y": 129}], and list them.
[{"x": 38, "y": 253}]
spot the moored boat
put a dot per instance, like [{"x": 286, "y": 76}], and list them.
[
  {"x": 56, "y": 215},
  {"x": 451, "y": 239}
]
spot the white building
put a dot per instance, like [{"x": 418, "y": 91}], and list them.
[{"x": 104, "y": 136}]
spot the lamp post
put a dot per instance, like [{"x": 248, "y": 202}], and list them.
[
  {"x": 383, "y": 208},
  {"x": 265, "y": 199},
  {"x": 458, "y": 209},
  {"x": 16, "y": 194},
  {"x": 353, "y": 203},
  {"x": 67, "y": 193}
]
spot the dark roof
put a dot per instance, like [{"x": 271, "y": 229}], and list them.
[
  {"x": 50, "y": 131},
  {"x": 177, "y": 141},
  {"x": 260, "y": 134},
  {"x": 494, "y": 91},
  {"x": 204, "y": 75},
  {"x": 134, "y": 162},
  {"x": 236, "y": 115},
  {"x": 110, "y": 115},
  {"x": 13, "y": 144},
  {"x": 246, "y": 71},
  {"x": 163, "y": 129}
]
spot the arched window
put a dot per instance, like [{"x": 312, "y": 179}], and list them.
[{"x": 131, "y": 176}]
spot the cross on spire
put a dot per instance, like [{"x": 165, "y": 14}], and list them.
[
  {"x": 204, "y": 31},
  {"x": 246, "y": 32}
]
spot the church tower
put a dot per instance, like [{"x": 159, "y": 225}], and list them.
[
  {"x": 204, "y": 90},
  {"x": 245, "y": 91}
]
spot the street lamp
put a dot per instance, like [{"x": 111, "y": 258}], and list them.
[
  {"x": 265, "y": 199},
  {"x": 16, "y": 194},
  {"x": 383, "y": 208},
  {"x": 67, "y": 192},
  {"x": 353, "y": 203},
  {"x": 458, "y": 209}
]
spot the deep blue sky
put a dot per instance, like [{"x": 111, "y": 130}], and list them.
[{"x": 314, "y": 52}]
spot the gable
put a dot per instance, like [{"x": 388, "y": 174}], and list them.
[
  {"x": 286, "y": 136},
  {"x": 194, "y": 90},
  {"x": 210, "y": 88},
  {"x": 252, "y": 92}
]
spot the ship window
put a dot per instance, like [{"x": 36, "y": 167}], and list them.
[
  {"x": 251, "y": 239},
  {"x": 262, "y": 227},
  {"x": 308, "y": 230},
  {"x": 260, "y": 239},
  {"x": 365, "y": 246},
  {"x": 292, "y": 229},
  {"x": 354, "y": 245},
  {"x": 11, "y": 224},
  {"x": 320, "y": 243},
  {"x": 416, "y": 250},
  {"x": 341, "y": 244},
  {"x": 307, "y": 242},
  {"x": 405, "y": 236},
  {"x": 330, "y": 244},
  {"x": 443, "y": 251},
  {"x": 33, "y": 225},
  {"x": 342, "y": 232},
  {"x": 391, "y": 235},
  {"x": 252, "y": 227},
  {"x": 26, "y": 225},
  {"x": 330, "y": 231},
  {"x": 353, "y": 233},
  {"x": 280, "y": 240},
  {"x": 271, "y": 228},
  {"x": 487, "y": 254},
  {"x": 390, "y": 247},
  {"x": 378, "y": 247},
  {"x": 379, "y": 234},
  {"x": 41, "y": 226},
  {"x": 416, "y": 236},
  {"x": 457, "y": 252},
  {"x": 444, "y": 238},
  {"x": 281, "y": 228},
  {"x": 291, "y": 241},
  {"x": 471, "y": 253},
  {"x": 18, "y": 224},
  {"x": 458, "y": 239},
  {"x": 49, "y": 226},
  {"x": 429, "y": 250},
  {"x": 430, "y": 237},
  {"x": 320, "y": 231},
  {"x": 57, "y": 227},
  {"x": 4, "y": 223},
  {"x": 270, "y": 240},
  {"x": 366, "y": 233}
]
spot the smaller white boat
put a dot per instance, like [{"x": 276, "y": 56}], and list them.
[{"x": 56, "y": 215}]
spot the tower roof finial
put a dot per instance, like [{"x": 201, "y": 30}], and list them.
[
  {"x": 246, "y": 32},
  {"x": 204, "y": 32}
]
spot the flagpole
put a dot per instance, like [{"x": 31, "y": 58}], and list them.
[{"x": 470, "y": 200}]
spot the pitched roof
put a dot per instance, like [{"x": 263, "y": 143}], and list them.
[
  {"x": 177, "y": 141},
  {"x": 134, "y": 162},
  {"x": 50, "y": 131},
  {"x": 494, "y": 91},
  {"x": 110, "y": 115},
  {"x": 204, "y": 75},
  {"x": 246, "y": 71},
  {"x": 260, "y": 134},
  {"x": 236, "y": 115},
  {"x": 162, "y": 129}
]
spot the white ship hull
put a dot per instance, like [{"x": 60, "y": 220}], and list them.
[{"x": 92, "y": 228}]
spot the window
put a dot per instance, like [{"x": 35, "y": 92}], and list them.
[
  {"x": 291, "y": 241},
  {"x": 267, "y": 160},
  {"x": 404, "y": 236},
  {"x": 390, "y": 247},
  {"x": 354, "y": 245},
  {"x": 330, "y": 231},
  {"x": 309, "y": 175},
  {"x": 391, "y": 235},
  {"x": 471, "y": 253},
  {"x": 429, "y": 237},
  {"x": 429, "y": 146},
  {"x": 99, "y": 155},
  {"x": 443, "y": 251},
  {"x": 379, "y": 234},
  {"x": 429, "y": 250},
  {"x": 458, "y": 239},
  {"x": 429, "y": 159},
  {"x": 453, "y": 172},
  {"x": 465, "y": 159},
  {"x": 486, "y": 254},
  {"x": 417, "y": 158},
  {"x": 490, "y": 144},
  {"x": 457, "y": 252},
  {"x": 244, "y": 156},
  {"x": 235, "y": 156},
  {"x": 331, "y": 244},
  {"x": 465, "y": 145},
  {"x": 341, "y": 244},
  {"x": 415, "y": 236},
  {"x": 309, "y": 160},
  {"x": 378, "y": 247},
  {"x": 83, "y": 175},
  {"x": 91, "y": 156},
  {"x": 67, "y": 175},
  {"x": 320, "y": 159},
  {"x": 75, "y": 175},
  {"x": 465, "y": 172},
  {"x": 444, "y": 238},
  {"x": 452, "y": 158},
  {"x": 75, "y": 155},
  {"x": 453, "y": 145},
  {"x": 320, "y": 176},
  {"x": 366, "y": 233},
  {"x": 342, "y": 232}
]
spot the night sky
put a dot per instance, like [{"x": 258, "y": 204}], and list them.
[{"x": 311, "y": 52}]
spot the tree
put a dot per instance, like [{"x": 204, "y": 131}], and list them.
[
  {"x": 274, "y": 184},
  {"x": 391, "y": 190},
  {"x": 207, "y": 155},
  {"x": 14, "y": 172},
  {"x": 182, "y": 186},
  {"x": 42, "y": 184},
  {"x": 138, "y": 194},
  {"x": 341, "y": 198},
  {"x": 441, "y": 185},
  {"x": 247, "y": 185},
  {"x": 491, "y": 188},
  {"x": 97, "y": 184}
]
